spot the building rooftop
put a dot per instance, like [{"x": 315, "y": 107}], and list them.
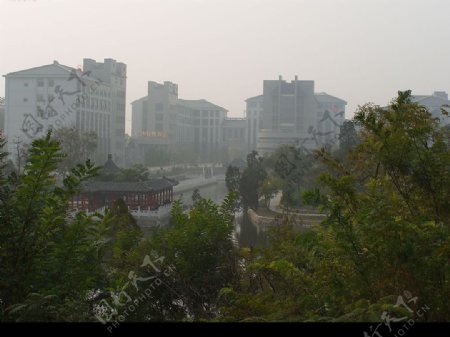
[
  {"x": 145, "y": 98},
  {"x": 417, "y": 98},
  {"x": 254, "y": 98},
  {"x": 110, "y": 166},
  {"x": 139, "y": 186},
  {"x": 56, "y": 65},
  {"x": 323, "y": 97},
  {"x": 440, "y": 95},
  {"x": 199, "y": 104}
]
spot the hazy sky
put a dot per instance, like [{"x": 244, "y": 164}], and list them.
[{"x": 222, "y": 50}]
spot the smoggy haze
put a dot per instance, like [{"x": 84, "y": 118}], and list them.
[{"x": 223, "y": 50}]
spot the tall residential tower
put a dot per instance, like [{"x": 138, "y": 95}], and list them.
[
  {"x": 55, "y": 95},
  {"x": 292, "y": 113}
]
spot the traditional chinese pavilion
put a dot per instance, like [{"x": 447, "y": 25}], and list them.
[{"x": 142, "y": 195}]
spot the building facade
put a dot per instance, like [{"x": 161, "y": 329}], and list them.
[
  {"x": 234, "y": 139},
  {"x": 200, "y": 124},
  {"x": 162, "y": 122},
  {"x": 286, "y": 113},
  {"x": 292, "y": 113},
  {"x": 434, "y": 103},
  {"x": 114, "y": 75},
  {"x": 139, "y": 111},
  {"x": 55, "y": 95},
  {"x": 330, "y": 116},
  {"x": 2, "y": 116},
  {"x": 253, "y": 114}
]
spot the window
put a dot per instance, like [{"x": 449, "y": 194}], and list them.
[
  {"x": 82, "y": 120},
  {"x": 25, "y": 99},
  {"x": 40, "y": 98},
  {"x": 78, "y": 120},
  {"x": 40, "y": 83},
  {"x": 159, "y": 107},
  {"x": 51, "y": 83},
  {"x": 25, "y": 84}
]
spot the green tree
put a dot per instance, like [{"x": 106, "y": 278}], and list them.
[
  {"x": 232, "y": 178},
  {"x": 198, "y": 254},
  {"x": 196, "y": 197},
  {"x": 292, "y": 166},
  {"x": 135, "y": 173},
  {"x": 120, "y": 234},
  {"x": 269, "y": 188},
  {"x": 44, "y": 256},
  {"x": 348, "y": 138},
  {"x": 76, "y": 145},
  {"x": 386, "y": 232},
  {"x": 388, "y": 205},
  {"x": 252, "y": 178}
]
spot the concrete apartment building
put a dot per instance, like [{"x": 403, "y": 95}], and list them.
[
  {"x": 434, "y": 103},
  {"x": 2, "y": 116},
  {"x": 292, "y": 113},
  {"x": 234, "y": 131},
  {"x": 254, "y": 123},
  {"x": 162, "y": 122},
  {"x": 286, "y": 113},
  {"x": 114, "y": 75},
  {"x": 55, "y": 95},
  {"x": 199, "y": 123}
]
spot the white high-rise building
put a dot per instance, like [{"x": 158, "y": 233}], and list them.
[
  {"x": 2, "y": 115},
  {"x": 293, "y": 114},
  {"x": 434, "y": 104},
  {"x": 54, "y": 95},
  {"x": 163, "y": 122},
  {"x": 254, "y": 114},
  {"x": 114, "y": 75}
]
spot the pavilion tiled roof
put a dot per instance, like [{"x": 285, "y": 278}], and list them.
[
  {"x": 110, "y": 166},
  {"x": 139, "y": 186}
]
